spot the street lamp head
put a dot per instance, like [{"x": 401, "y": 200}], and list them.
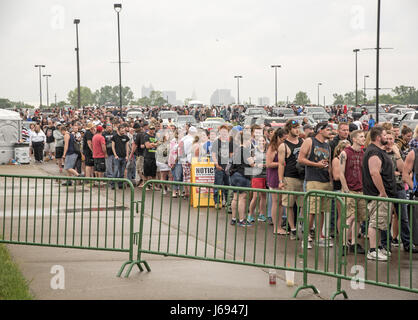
[
  {"x": 76, "y": 21},
  {"x": 319, "y": 83},
  {"x": 237, "y": 76},
  {"x": 117, "y": 7},
  {"x": 39, "y": 65},
  {"x": 46, "y": 75},
  {"x": 366, "y": 76},
  {"x": 356, "y": 50},
  {"x": 276, "y": 66}
]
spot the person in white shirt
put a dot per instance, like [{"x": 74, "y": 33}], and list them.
[
  {"x": 186, "y": 156},
  {"x": 37, "y": 141}
]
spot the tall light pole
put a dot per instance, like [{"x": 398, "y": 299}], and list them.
[
  {"x": 118, "y": 8},
  {"x": 77, "y": 50},
  {"x": 356, "y": 93},
  {"x": 319, "y": 84},
  {"x": 40, "y": 83},
  {"x": 377, "y": 61},
  {"x": 237, "y": 77},
  {"x": 47, "y": 90},
  {"x": 365, "y": 95},
  {"x": 275, "y": 82}
]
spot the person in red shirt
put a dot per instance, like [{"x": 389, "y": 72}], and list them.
[{"x": 99, "y": 152}]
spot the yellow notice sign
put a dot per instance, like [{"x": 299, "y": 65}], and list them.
[{"x": 202, "y": 172}]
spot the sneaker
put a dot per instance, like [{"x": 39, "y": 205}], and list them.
[
  {"x": 373, "y": 255},
  {"x": 395, "y": 242},
  {"x": 233, "y": 222},
  {"x": 250, "y": 219},
  {"x": 244, "y": 223},
  {"x": 385, "y": 251},
  {"x": 414, "y": 249},
  {"x": 261, "y": 218},
  {"x": 357, "y": 247},
  {"x": 309, "y": 245},
  {"x": 293, "y": 235},
  {"x": 325, "y": 243},
  {"x": 270, "y": 221}
]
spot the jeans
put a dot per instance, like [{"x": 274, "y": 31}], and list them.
[
  {"x": 221, "y": 179},
  {"x": 177, "y": 173},
  {"x": 131, "y": 173},
  {"x": 403, "y": 217},
  {"x": 110, "y": 166},
  {"x": 120, "y": 165}
]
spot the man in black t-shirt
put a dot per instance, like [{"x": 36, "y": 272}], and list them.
[
  {"x": 108, "y": 134},
  {"x": 221, "y": 151},
  {"x": 138, "y": 148},
  {"x": 120, "y": 148},
  {"x": 150, "y": 143},
  {"x": 88, "y": 149},
  {"x": 50, "y": 140},
  {"x": 378, "y": 180}
]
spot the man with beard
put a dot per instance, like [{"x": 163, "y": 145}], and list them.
[
  {"x": 378, "y": 180},
  {"x": 315, "y": 154},
  {"x": 290, "y": 178}
]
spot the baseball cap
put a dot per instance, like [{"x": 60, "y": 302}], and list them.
[
  {"x": 99, "y": 128},
  {"x": 321, "y": 126},
  {"x": 307, "y": 126},
  {"x": 238, "y": 128},
  {"x": 192, "y": 129},
  {"x": 137, "y": 125}
]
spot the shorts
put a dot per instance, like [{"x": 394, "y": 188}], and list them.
[
  {"x": 318, "y": 203},
  {"x": 70, "y": 161},
  {"x": 258, "y": 183},
  {"x": 99, "y": 164},
  {"x": 59, "y": 151},
  {"x": 238, "y": 180},
  {"x": 89, "y": 161},
  {"x": 187, "y": 171},
  {"x": 140, "y": 165},
  {"x": 150, "y": 167},
  {"x": 379, "y": 216},
  {"x": 162, "y": 167},
  {"x": 292, "y": 184},
  {"x": 50, "y": 147},
  {"x": 351, "y": 207}
]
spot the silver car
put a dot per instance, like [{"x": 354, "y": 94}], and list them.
[{"x": 410, "y": 119}]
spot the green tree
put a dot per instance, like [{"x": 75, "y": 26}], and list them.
[
  {"x": 5, "y": 103},
  {"x": 338, "y": 98},
  {"x": 301, "y": 98},
  {"x": 406, "y": 94},
  {"x": 86, "y": 97},
  {"x": 109, "y": 94},
  {"x": 144, "y": 101}
]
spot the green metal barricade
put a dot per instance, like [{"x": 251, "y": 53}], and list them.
[
  {"x": 85, "y": 213},
  {"x": 332, "y": 257},
  {"x": 172, "y": 227}
]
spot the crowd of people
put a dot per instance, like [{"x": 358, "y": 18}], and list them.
[{"x": 374, "y": 160}]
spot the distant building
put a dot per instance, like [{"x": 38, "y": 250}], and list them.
[
  {"x": 221, "y": 97},
  {"x": 170, "y": 96},
  {"x": 146, "y": 92},
  {"x": 263, "y": 101}
]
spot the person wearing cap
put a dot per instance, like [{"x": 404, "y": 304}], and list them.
[
  {"x": 108, "y": 134},
  {"x": 120, "y": 148},
  {"x": 59, "y": 145},
  {"x": 150, "y": 164},
  {"x": 290, "y": 176},
  {"x": 315, "y": 154},
  {"x": 307, "y": 129},
  {"x": 99, "y": 152},
  {"x": 88, "y": 149}
]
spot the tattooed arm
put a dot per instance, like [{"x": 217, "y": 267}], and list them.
[{"x": 343, "y": 161}]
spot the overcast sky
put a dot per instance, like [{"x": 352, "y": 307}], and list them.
[{"x": 196, "y": 45}]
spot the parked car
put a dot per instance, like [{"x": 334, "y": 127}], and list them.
[
  {"x": 168, "y": 115},
  {"x": 212, "y": 123},
  {"x": 410, "y": 119},
  {"x": 256, "y": 111},
  {"x": 286, "y": 112},
  {"x": 183, "y": 120}
]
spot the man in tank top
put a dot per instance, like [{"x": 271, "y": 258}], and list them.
[
  {"x": 290, "y": 178},
  {"x": 315, "y": 154},
  {"x": 351, "y": 160}
]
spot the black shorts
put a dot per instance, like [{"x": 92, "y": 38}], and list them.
[
  {"x": 150, "y": 167},
  {"x": 89, "y": 161},
  {"x": 100, "y": 165},
  {"x": 59, "y": 151}
]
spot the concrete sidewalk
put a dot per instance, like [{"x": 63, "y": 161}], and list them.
[{"x": 92, "y": 274}]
